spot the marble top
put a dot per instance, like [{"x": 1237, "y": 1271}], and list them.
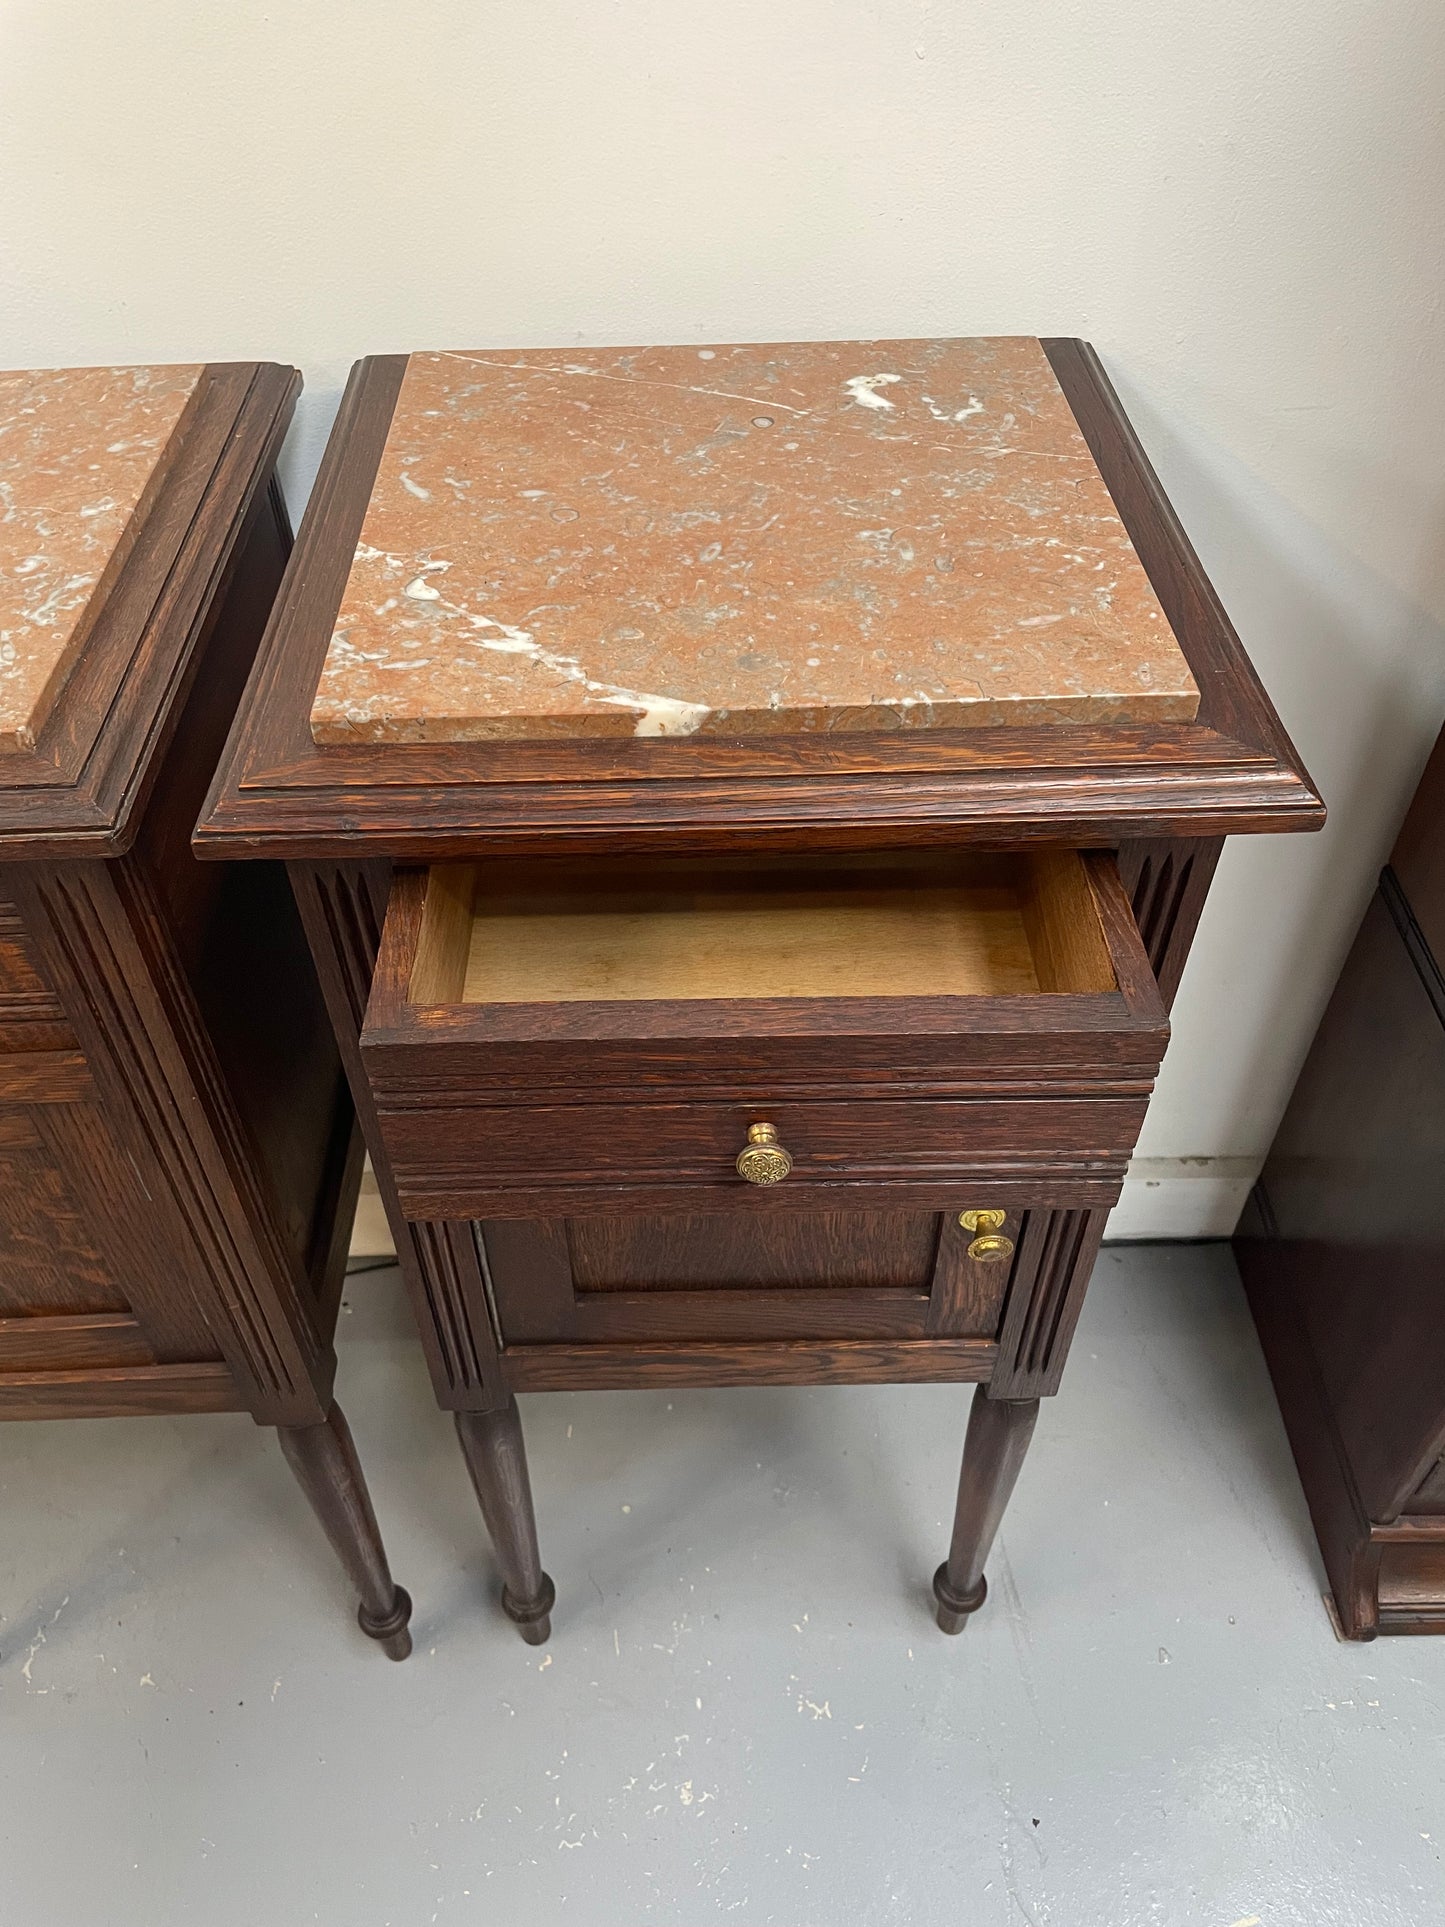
[
  {"x": 735, "y": 540},
  {"x": 81, "y": 452}
]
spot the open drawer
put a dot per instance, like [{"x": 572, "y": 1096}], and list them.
[{"x": 547, "y": 1036}]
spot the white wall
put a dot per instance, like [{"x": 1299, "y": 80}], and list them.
[{"x": 1241, "y": 204}]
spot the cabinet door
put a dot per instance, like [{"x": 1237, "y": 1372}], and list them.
[{"x": 734, "y": 1277}]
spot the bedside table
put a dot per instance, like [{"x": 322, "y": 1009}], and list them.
[
  {"x": 180, "y": 1158},
  {"x": 750, "y": 807}
]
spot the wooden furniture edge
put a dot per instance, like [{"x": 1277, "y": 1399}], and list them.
[
  {"x": 128, "y": 1391},
  {"x": 1189, "y": 600},
  {"x": 100, "y": 807},
  {"x": 278, "y": 792},
  {"x": 555, "y": 1367}
]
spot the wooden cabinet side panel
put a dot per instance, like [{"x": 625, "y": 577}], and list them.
[
  {"x": 1351, "y": 1213},
  {"x": 192, "y": 1240},
  {"x": 233, "y": 945}
]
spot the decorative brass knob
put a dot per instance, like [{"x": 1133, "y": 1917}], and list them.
[
  {"x": 987, "y": 1246},
  {"x": 764, "y": 1161}
]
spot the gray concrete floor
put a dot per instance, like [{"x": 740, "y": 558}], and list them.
[{"x": 745, "y": 1712}]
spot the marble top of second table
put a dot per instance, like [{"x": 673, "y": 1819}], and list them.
[
  {"x": 738, "y": 540},
  {"x": 82, "y": 453}
]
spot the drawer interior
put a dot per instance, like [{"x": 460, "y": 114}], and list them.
[{"x": 968, "y": 925}]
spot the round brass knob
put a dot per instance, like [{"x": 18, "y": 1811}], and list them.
[
  {"x": 987, "y": 1247},
  {"x": 763, "y": 1161}
]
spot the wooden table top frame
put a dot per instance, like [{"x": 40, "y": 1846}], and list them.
[
  {"x": 497, "y": 1244},
  {"x": 180, "y": 1153}
]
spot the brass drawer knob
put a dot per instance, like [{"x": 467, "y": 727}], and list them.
[
  {"x": 763, "y": 1161},
  {"x": 988, "y": 1247}
]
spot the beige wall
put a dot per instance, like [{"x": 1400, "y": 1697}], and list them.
[{"x": 1241, "y": 204}]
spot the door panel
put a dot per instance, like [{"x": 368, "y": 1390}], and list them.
[
  {"x": 666, "y": 1280},
  {"x": 49, "y": 1260},
  {"x": 728, "y": 1251}
]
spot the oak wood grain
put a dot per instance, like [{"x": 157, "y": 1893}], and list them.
[
  {"x": 72, "y": 1341},
  {"x": 122, "y": 1391},
  {"x": 550, "y": 1368}
]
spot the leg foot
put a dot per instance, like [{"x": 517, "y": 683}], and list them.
[
  {"x": 497, "y": 1461},
  {"x": 954, "y": 1608},
  {"x": 389, "y": 1630},
  {"x": 324, "y": 1460},
  {"x": 999, "y": 1431}
]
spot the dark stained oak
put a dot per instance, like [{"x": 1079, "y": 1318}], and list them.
[
  {"x": 560, "y": 1367},
  {"x": 840, "y": 1249},
  {"x": 558, "y": 1171},
  {"x": 323, "y": 1457},
  {"x": 998, "y": 1436},
  {"x": 1342, "y": 1250},
  {"x": 497, "y": 1460},
  {"x": 178, "y": 1152},
  {"x": 125, "y": 1390}
]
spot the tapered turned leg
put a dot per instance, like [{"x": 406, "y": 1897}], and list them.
[
  {"x": 325, "y": 1463},
  {"x": 999, "y": 1430},
  {"x": 497, "y": 1460}
]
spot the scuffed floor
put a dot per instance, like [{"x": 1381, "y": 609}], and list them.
[{"x": 745, "y": 1712}]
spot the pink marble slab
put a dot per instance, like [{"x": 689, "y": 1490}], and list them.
[
  {"x": 81, "y": 452},
  {"x": 734, "y": 540}
]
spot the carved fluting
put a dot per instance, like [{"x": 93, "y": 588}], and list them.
[
  {"x": 343, "y": 908},
  {"x": 80, "y": 921},
  {"x": 1156, "y": 899},
  {"x": 446, "y": 1301},
  {"x": 353, "y": 922},
  {"x": 1052, "y": 1264},
  {"x": 1062, "y": 1250},
  {"x": 1167, "y": 885}
]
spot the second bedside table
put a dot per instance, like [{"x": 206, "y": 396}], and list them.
[{"x": 178, "y": 1151}]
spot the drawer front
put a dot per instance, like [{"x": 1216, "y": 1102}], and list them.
[
  {"x": 499, "y": 1160},
  {"x": 900, "y": 1025}
]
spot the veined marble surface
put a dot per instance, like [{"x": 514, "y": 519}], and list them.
[
  {"x": 734, "y": 540},
  {"x": 81, "y": 450}
]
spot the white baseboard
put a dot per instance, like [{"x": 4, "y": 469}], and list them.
[
  {"x": 1163, "y": 1198},
  {"x": 1181, "y": 1198}
]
